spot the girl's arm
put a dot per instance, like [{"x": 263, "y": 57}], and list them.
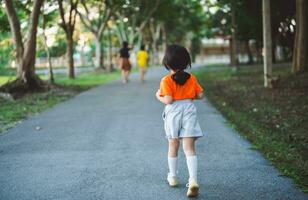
[
  {"x": 199, "y": 96},
  {"x": 165, "y": 99}
]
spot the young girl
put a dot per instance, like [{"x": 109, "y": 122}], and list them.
[
  {"x": 142, "y": 60},
  {"x": 177, "y": 91},
  {"x": 124, "y": 61}
]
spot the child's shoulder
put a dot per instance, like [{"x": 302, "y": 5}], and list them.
[
  {"x": 166, "y": 77},
  {"x": 193, "y": 77}
]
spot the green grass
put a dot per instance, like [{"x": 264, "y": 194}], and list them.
[
  {"x": 274, "y": 120},
  {"x": 89, "y": 80},
  {"x": 12, "y": 112},
  {"x": 7, "y": 71},
  {"x": 6, "y": 75},
  {"x": 4, "y": 79}
]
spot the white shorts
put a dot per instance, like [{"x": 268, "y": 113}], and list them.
[{"x": 180, "y": 120}]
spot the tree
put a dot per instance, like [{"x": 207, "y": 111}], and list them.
[
  {"x": 110, "y": 67},
  {"x": 68, "y": 25},
  {"x": 300, "y": 55},
  {"x": 97, "y": 24},
  {"x": 6, "y": 45},
  {"x": 250, "y": 25},
  {"x": 179, "y": 21},
  {"x": 267, "y": 41},
  {"x": 234, "y": 32},
  {"x": 47, "y": 19},
  {"x": 25, "y": 51},
  {"x": 155, "y": 30},
  {"x": 224, "y": 22},
  {"x": 282, "y": 16},
  {"x": 133, "y": 19}
]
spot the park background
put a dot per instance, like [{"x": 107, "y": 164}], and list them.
[{"x": 254, "y": 63}]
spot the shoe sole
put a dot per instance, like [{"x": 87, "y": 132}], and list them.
[{"x": 193, "y": 191}]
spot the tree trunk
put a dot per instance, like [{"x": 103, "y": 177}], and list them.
[
  {"x": 119, "y": 34},
  {"x": 248, "y": 51},
  {"x": 110, "y": 66},
  {"x": 230, "y": 51},
  {"x": 274, "y": 44},
  {"x": 140, "y": 38},
  {"x": 300, "y": 55},
  {"x": 49, "y": 64},
  {"x": 234, "y": 58},
  {"x": 155, "y": 58},
  {"x": 267, "y": 42},
  {"x": 98, "y": 53},
  {"x": 285, "y": 54},
  {"x": 69, "y": 55},
  {"x": 164, "y": 37},
  {"x": 68, "y": 26},
  {"x": 259, "y": 51},
  {"x": 25, "y": 53},
  {"x": 156, "y": 38}
]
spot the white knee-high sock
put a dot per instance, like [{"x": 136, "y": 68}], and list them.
[
  {"x": 192, "y": 165},
  {"x": 173, "y": 165}
]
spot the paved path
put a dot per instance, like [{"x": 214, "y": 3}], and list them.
[{"x": 108, "y": 143}]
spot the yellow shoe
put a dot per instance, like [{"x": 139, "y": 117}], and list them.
[
  {"x": 193, "y": 188},
  {"x": 173, "y": 181}
]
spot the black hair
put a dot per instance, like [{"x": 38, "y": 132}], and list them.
[
  {"x": 125, "y": 44},
  {"x": 178, "y": 59},
  {"x": 142, "y": 47}
]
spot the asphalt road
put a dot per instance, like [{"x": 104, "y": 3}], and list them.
[{"x": 108, "y": 143}]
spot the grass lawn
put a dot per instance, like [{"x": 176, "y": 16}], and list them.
[
  {"x": 274, "y": 120},
  {"x": 89, "y": 80},
  {"x": 12, "y": 112},
  {"x": 6, "y": 75},
  {"x": 6, "y": 78}
]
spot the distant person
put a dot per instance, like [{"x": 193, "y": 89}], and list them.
[
  {"x": 142, "y": 60},
  {"x": 177, "y": 91},
  {"x": 124, "y": 61}
]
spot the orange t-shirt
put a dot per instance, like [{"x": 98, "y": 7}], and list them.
[{"x": 179, "y": 92}]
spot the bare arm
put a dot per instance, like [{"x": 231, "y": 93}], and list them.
[
  {"x": 165, "y": 99},
  {"x": 199, "y": 96}
]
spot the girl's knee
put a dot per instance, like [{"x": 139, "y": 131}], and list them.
[
  {"x": 173, "y": 147},
  {"x": 190, "y": 152},
  {"x": 189, "y": 146},
  {"x": 174, "y": 143}
]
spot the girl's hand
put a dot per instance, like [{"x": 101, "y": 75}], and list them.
[
  {"x": 158, "y": 93},
  {"x": 199, "y": 96},
  {"x": 165, "y": 99}
]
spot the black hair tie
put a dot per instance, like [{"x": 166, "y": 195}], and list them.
[{"x": 180, "y": 77}]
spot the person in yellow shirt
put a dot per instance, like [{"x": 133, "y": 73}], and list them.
[{"x": 142, "y": 60}]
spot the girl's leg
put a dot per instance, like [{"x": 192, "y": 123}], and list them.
[
  {"x": 124, "y": 76},
  {"x": 143, "y": 71},
  {"x": 140, "y": 72},
  {"x": 191, "y": 157},
  {"x": 174, "y": 145},
  {"x": 192, "y": 164}
]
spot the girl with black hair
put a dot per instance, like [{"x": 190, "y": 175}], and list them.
[
  {"x": 124, "y": 61},
  {"x": 177, "y": 91}
]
